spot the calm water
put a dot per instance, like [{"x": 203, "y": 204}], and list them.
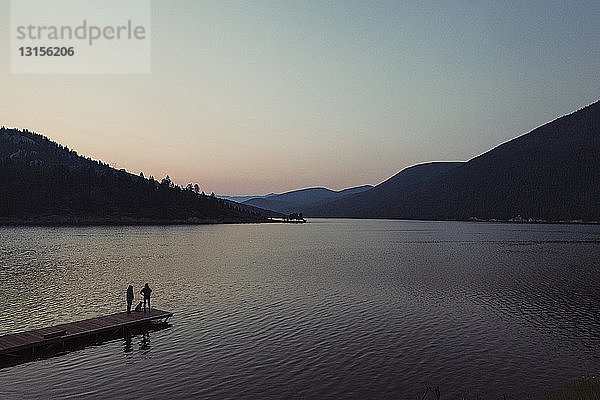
[{"x": 328, "y": 309}]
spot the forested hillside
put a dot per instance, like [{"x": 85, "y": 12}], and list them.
[
  {"x": 42, "y": 182},
  {"x": 550, "y": 174}
]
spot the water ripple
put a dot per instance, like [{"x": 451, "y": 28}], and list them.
[{"x": 331, "y": 309}]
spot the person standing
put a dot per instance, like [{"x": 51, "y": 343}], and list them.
[
  {"x": 146, "y": 292},
  {"x": 129, "y": 298}
]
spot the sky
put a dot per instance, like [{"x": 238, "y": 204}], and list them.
[{"x": 253, "y": 97}]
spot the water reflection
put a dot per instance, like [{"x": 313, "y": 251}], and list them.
[
  {"x": 127, "y": 343},
  {"x": 142, "y": 340},
  {"x": 145, "y": 342}
]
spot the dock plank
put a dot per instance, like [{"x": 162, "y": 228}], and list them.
[{"x": 89, "y": 327}]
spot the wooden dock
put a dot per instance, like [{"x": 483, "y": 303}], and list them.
[{"x": 55, "y": 338}]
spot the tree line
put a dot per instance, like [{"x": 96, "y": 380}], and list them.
[{"x": 39, "y": 178}]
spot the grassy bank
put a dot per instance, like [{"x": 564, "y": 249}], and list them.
[{"x": 581, "y": 389}]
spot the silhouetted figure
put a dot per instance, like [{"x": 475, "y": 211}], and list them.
[
  {"x": 129, "y": 298},
  {"x": 146, "y": 292},
  {"x": 138, "y": 308}
]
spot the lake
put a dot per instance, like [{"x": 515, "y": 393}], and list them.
[{"x": 332, "y": 308}]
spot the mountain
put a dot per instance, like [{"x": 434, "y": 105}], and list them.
[
  {"x": 251, "y": 209},
  {"x": 42, "y": 182},
  {"x": 371, "y": 203},
  {"x": 241, "y": 199},
  {"x": 296, "y": 200},
  {"x": 551, "y": 173}
]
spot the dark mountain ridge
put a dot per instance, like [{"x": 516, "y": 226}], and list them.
[
  {"x": 551, "y": 173},
  {"x": 241, "y": 199},
  {"x": 371, "y": 203},
  {"x": 297, "y": 200},
  {"x": 42, "y": 182}
]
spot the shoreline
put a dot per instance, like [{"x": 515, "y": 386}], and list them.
[
  {"x": 82, "y": 221},
  {"x": 484, "y": 221},
  {"x": 130, "y": 221},
  {"x": 56, "y": 221}
]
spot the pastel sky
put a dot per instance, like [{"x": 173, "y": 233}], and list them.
[{"x": 255, "y": 97}]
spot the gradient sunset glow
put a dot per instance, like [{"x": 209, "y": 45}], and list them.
[{"x": 259, "y": 97}]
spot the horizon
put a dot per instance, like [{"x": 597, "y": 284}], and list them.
[{"x": 270, "y": 98}]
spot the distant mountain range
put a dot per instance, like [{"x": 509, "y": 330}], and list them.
[
  {"x": 373, "y": 203},
  {"x": 42, "y": 182},
  {"x": 551, "y": 173},
  {"x": 296, "y": 200},
  {"x": 241, "y": 199}
]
